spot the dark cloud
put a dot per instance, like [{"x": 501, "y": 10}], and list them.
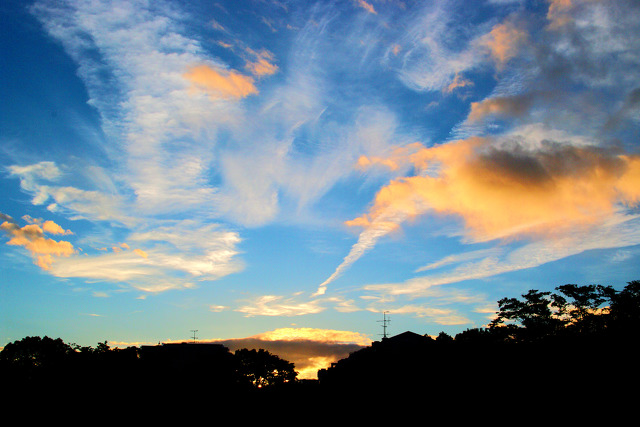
[
  {"x": 5, "y": 217},
  {"x": 551, "y": 160},
  {"x": 305, "y": 354}
]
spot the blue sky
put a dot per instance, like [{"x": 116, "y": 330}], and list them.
[{"x": 287, "y": 171}]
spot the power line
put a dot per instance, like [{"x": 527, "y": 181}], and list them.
[{"x": 194, "y": 334}]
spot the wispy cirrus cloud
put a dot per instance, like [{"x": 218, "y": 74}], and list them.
[
  {"x": 45, "y": 181},
  {"x": 194, "y": 134},
  {"x": 503, "y": 192},
  {"x": 618, "y": 231},
  {"x": 508, "y": 186},
  {"x": 178, "y": 255},
  {"x": 432, "y": 61}
]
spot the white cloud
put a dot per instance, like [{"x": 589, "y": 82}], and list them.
[
  {"x": 430, "y": 59},
  {"x": 81, "y": 204},
  {"x": 146, "y": 105},
  {"x": 276, "y": 305},
  {"x": 436, "y": 315},
  {"x": 618, "y": 232}
]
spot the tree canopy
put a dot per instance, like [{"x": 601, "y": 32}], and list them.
[
  {"x": 575, "y": 310},
  {"x": 264, "y": 369}
]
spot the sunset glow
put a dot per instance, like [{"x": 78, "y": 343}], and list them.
[{"x": 277, "y": 174}]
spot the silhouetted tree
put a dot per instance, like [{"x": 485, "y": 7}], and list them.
[
  {"x": 478, "y": 336},
  {"x": 624, "y": 310},
  {"x": 262, "y": 368},
  {"x": 582, "y": 307},
  {"x": 444, "y": 337},
  {"x": 534, "y": 314},
  {"x": 34, "y": 358}
]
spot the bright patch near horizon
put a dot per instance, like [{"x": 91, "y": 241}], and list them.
[{"x": 235, "y": 167}]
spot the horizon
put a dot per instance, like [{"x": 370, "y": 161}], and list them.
[{"x": 288, "y": 172}]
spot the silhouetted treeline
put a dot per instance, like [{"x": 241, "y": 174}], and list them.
[
  {"x": 45, "y": 368},
  {"x": 577, "y": 343}
]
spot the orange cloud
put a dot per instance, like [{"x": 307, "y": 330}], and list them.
[
  {"x": 399, "y": 157},
  {"x": 221, "y": 83},
  {"x": 366, "y": 6},
  {"x": 503, "y": 42},
  {"x": 509, "y": 106},
  {"x": 141, "y": 253},
  {"x": 263, "y": 65},
  {"x": 500, "y": 192},
  {"x": 53, "y": 228},
  {"x": 309, "y": 349},
  {"x": 32, "y": 238},
  {"x": 312, "y": 334},
  {"x": 458, "y": 82},
  {"x": 558, "y": 13}
]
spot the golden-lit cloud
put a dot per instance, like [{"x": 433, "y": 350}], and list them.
[
  {"x": 366, "y": 6},
  {"x": 312, "y": 334},
  {"x": 48, "y": 226},
  {"x": 32, "y": 237},
  {"x": 503, "y": 42},
  {"x": 558, "y": 13},
  {"x": 395, "y": 160},
  {"x": 500, "y": 106},
  {"x": 262, "y": 67},
  {"x": 221, "y": 83},
  {"x": 498, "y": 189},
  {"x": 310, "y": 349},
  {"x": 507, "y": 191},
  {"x": 53, "y": 228},
  {"x": 263, "y": 64},
  {"x": 458, "y": 82},
  {"x": 140, "y": 252}
]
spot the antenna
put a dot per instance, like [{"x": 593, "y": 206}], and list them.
[
  {"x": 194, "y": 334},
  {"x": 384, "y": 321}
]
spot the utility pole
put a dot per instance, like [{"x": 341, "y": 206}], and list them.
[
  {"x": 194, "y": 334},
  {"x": 384, "y": 321}
]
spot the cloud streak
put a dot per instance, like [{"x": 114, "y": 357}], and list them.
[
  {"x": 505, "y": 141},
  {"x": 618, "y": 231},
  {"x": 502, "y": 191}
]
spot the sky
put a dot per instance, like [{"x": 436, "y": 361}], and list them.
[{"x": 288, "y": 174}]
